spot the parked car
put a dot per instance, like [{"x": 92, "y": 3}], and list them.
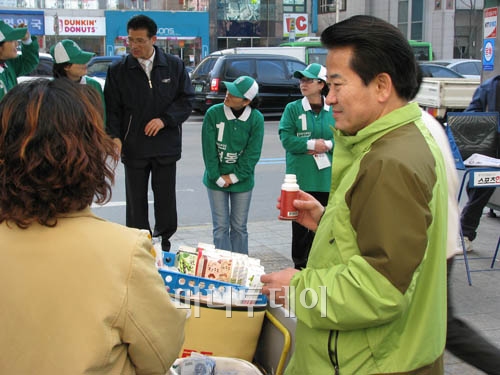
[
  {"x": 190, "y": 70},
  {"x": 273, "y": 73},
  {"x": 438, "y": 71},
  {"x": 43, "y": 69},
  {"x": 469, "y": 68},
  {"x": 98, "y": 65}
]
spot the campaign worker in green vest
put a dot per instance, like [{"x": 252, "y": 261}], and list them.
[
  {"x": 12, "y": 64},
  {"x": 70, "y": 61},
  {"x": 232, "y": 134}
]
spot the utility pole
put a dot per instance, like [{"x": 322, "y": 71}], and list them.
[{"x": 56, "y": 27}]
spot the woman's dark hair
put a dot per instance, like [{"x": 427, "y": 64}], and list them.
[
  {"x": 59, "y": 71},
  {"x": 143, "y": 22},
  {"x": 378, "y": 47},
  {"x": 256, "y": 102},
  {"x": 55, "y": 156},
  {"x": 325, "y": 89}
]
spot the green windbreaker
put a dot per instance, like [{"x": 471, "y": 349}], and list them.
[
  {"x": 21, "y": 65},
  {"x": 231, "y": 145},
  {"x": 298, "y": 125},
  {"x": 378, "y": 260}
]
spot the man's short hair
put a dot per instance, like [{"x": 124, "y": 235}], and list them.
[
  {"x": 143, "y": 22},
  {"x": 378, "y": 47}
]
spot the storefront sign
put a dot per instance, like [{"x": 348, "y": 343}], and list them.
[
  {"x": 490, "y": 23},
  {"x": 34, "y": 20},
  {"x": 298, "y": 21},
  {"x": 165, "y": 31},
  {"x": 488, "y": 54},
  {"x": 88, "y": 26}
]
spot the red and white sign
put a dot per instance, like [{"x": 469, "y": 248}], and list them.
[
  {"x": 301, "y": 24},
  {"x": 89, "y": 26},
  {"x": 490, "y": 23}
]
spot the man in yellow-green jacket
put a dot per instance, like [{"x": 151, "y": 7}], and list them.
[{"x": 372, "y": 299}]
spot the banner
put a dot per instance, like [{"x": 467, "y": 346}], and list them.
[
  {"x": 34, "y": 20},
  {"x": 490, "y": 23},
  {"x": 295, "y": 22}
]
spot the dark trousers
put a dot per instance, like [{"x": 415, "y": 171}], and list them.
[
  {"x": 302, "y": 238},
  {"x": 467, "y": 344},
  {"x": 471, "y": 213},
  {"x": 163, "y": 174}
]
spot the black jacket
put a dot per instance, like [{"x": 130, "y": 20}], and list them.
[{"x": 131, "y": 103}]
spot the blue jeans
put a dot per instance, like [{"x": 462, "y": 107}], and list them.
[{"x": 229, "y": 218}]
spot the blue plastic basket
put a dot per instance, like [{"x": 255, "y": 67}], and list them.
[{"x": 180, "y": 284}]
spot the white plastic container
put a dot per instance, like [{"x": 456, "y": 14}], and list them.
[{"x": 289, "y": 192}]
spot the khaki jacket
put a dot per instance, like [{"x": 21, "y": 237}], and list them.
[{"x": 84, "y": 297}]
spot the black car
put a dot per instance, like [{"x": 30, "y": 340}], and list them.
[{"x": 273, "y": 73}]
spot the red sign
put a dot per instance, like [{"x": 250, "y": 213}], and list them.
[{"x": 298, "y": 23}]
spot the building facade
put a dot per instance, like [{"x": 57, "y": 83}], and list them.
[{"x": 192, "y": 29}]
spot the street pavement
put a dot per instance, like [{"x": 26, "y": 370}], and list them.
[{"x": 478, "y": 304}]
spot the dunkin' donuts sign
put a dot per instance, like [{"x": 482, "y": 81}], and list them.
[{"x": 75, "y": 25}]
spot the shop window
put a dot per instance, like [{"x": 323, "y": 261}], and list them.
[
  {"x": 412, "y": 27},
  {"x": 294, "y": 6},
  {"x": 238, "y": 10},
  {"x": 330, "y": 6}
]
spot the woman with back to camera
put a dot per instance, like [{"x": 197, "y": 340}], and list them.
[
  {"x": 306, "y": 134},
  {"x": 232, "y": 136},
  {"x": 79, "y": 294}
]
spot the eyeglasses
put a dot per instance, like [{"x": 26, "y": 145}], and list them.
[
  {"x": 307, "y": 80},
  {"x": 139, "y": 41}
]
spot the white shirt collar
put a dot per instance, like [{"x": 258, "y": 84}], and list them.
[
  {"x": 150, "y": 59},
  {"x": 307, "y": 106},
  {"x": 243, "y": 117}
]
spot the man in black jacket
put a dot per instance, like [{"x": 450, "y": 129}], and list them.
[
  {"x": 148, "y": 97},
  {"x": 485, "y": 98}
]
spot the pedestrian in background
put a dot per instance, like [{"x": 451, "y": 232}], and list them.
[
  {"x": 148, "y": 97},
  {"x": 232, "y": 135},
  {"x": 306, "y": 133},
  {"x": 379, "y": 255},
  {"x": 13, "y": 65},
  {"x": 71, "y": 62},
  {"x": 79, "y": 294},
  {"x": 485, "y": 98}
]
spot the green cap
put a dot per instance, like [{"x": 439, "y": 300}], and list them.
[
  {"x": 67, "y": 51},
  {"x": 8, "y": 33},
  {"x": 313, "y": 71},
  {"x": 243, "y": 87}
]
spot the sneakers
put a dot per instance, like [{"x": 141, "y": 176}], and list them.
[{"x": 468, "y": 244}]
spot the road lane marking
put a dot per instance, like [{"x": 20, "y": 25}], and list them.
[{"x": 264, "y": 161}]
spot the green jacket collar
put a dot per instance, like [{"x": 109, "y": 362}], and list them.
[{"x": 366, "y": 136}]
